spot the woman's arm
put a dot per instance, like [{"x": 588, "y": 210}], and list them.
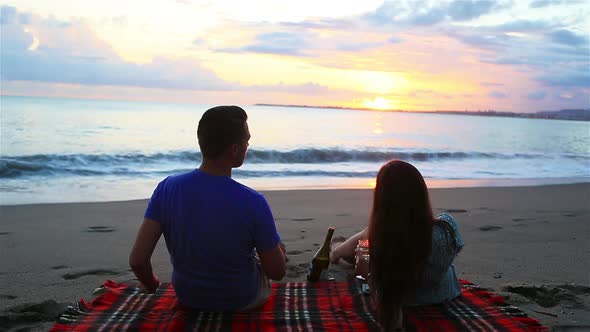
[
  {"x": 346, "y": 248},
  {"x": 446, "y": 243}
]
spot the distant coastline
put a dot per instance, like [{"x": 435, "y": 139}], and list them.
[{"x": 565, "y": 114}]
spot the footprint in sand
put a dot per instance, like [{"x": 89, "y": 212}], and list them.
[
  {"x": 100, "y": 229},
  {"x": 302, "y": 219},
  {"x": 59, "y": 267},
  {"x": 552, "y": 295},
  {"x": 294, "y": 271},
  {"x": 489, "y": 228},
  {"x": 297, "y": 252},
  {"x": 97, "y": 272},
  {"x": 7, "y": 297},
  {"x": 455, "y": 210},
  {"x": 45, "y": 311}
]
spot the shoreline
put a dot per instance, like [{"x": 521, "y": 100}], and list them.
[
  {"x": 515, "y": 236},
  {"x": 294, "y": 184}
]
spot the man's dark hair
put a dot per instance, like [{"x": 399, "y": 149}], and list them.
[{"x": 219, "y": 128}]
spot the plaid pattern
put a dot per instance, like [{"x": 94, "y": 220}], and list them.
[{"x": 293, "y": 306}]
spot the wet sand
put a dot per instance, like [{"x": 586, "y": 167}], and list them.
[{"x": 530, "y": 244}]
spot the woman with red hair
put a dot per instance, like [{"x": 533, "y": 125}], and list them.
[{"x": 411, "y": 252}]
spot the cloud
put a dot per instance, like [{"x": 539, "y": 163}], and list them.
[
  {"x": 120, "y": 20},
  {"x": 547, "y": 51},
  {"x": 428, "y": 95},
  {"x": 546, "y": 3},
  {"x": 25, "y": 18},
  {"x": 579, "y": 79},
  {"x": 518, "y": 34},
  {"x": 69, "y": 52},
  {"x": 321, "y": 23},
  {"x": 570, "y": 54},
  {"x": 13, "y": 39},
  {"x": 304, "y": 38},
  {"x": 160, "y": 73},
  {"x": 488, "y": 84},
  {"x": 309, "y": 88},
  {"x": 566, "y": 95},
  {"x": 394, "y": 40},
  {"x": 480, "y": 39},
  {"x": 8, "y": 15},
  {"x": 536, "y": 95},
  {"x": 462, "y": 10},
  {"x": 498, "y": 95},
  {"x": 359, "y": 46},
  {"x": 424, "y": 13},
  {"x": 538, "y": 57},
  {"x": 431, "y": 17},
  {"x": 523, "y": 25},
  {"x": 280, "y": 43},
  {"x": 199, "y": 41},
  {"x": 507, "y": 60},
  {"x": 567, "y": 37},
  {"x": 543, "y": 3}
]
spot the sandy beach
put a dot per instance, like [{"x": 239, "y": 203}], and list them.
[{"x": 530, "y": 244}]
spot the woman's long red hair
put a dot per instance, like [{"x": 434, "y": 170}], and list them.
[{"x": 400, "y": 237}]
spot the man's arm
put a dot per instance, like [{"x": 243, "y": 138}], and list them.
[
  {"x": 141, "y": 254},
  {"x": 273, "y": 261}
]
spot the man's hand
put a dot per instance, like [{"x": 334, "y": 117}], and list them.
[
  {"x": 272, "y": 262},
  {"x": 139, "y": 259},
  {"x": 151, "y": 288}
]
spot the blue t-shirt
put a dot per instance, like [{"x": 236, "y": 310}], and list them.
[{"x": 211, "y": 225}]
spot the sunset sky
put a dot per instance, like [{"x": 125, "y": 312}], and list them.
[{"x": 518, "y": 55}]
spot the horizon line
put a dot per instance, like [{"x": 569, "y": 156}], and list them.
[{"x": 465, "y": 111}]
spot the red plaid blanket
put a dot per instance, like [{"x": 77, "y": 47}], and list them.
[{"x": 293, "y": 306}]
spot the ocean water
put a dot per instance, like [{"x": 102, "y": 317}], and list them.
[{"x": 69, "y": 150}]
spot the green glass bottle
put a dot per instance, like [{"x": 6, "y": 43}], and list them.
[{"x": 321, "y": 259}]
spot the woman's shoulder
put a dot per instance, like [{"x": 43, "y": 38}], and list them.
[
  {"x": 448, "y": 225},
  {"x": 445, "y": 217}
]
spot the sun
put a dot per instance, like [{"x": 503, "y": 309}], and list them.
[{"x": 380, "y": 103}]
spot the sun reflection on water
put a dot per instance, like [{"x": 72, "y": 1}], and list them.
[{"x": 378, "y": 129}]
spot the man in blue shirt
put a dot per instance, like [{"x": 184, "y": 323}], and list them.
[{"x": 221, "y": 235}]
